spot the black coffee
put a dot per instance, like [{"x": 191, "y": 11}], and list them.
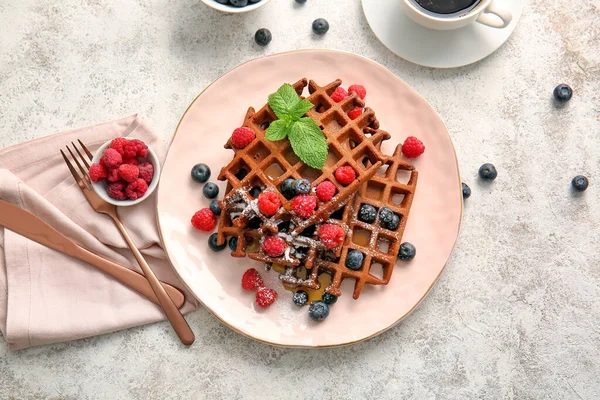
[{"x": 446, "y": 6}]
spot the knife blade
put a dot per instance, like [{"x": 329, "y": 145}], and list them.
[{"x": 30, "y": 226}]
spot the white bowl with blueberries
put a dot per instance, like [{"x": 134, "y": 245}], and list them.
[{"x": 235, "y": 6}]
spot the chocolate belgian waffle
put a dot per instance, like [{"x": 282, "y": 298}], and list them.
[
  {"x": 264, "y": 165},
  {"x": 379, "y": 245}
]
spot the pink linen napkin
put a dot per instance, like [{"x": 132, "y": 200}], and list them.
[{"x": 47, "y": 297}]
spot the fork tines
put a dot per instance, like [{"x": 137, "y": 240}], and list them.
[{"x": 83, "y": 179}]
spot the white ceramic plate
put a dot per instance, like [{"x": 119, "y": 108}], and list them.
[
  {"x": 431, "y": 48},
  {"x": 215, "y": 278}
]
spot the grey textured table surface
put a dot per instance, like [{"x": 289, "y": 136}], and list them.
[{"x": 515, "y": 314}]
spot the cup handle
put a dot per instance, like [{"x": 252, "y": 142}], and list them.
[{"x": 495, "y": 16}]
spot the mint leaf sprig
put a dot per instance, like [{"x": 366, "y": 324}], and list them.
[{"x": 305, "y": 136}]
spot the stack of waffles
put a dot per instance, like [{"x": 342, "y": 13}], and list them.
[{"x": 382, "y": 182}]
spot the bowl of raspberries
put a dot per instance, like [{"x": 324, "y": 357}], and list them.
[{"x": 124, "y": 171}]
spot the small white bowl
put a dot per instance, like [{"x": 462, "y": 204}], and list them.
[
  {"x": 101, "y": 186},
  {"x": 234, "y": 10}
]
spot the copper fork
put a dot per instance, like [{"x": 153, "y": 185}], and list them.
[{"x": 83, "y": 180}]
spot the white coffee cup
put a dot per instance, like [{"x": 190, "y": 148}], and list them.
[{"x": 487, "y": 12}]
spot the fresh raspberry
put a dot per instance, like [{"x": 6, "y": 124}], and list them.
[
  {"x": 412, "y": 147},
  {"x": 204, "y": 220},
  {"x": 116, "y": 190},
  {"x": 135, "y": 148},
  {"x": 131, "y": 161},
  {"x": 331, "y": 235},
  {"x": 242, "y": 137},
  {"x": 268, "y": 203},
  {"x": 251, "y": 280},
  {"x": 359, "y": 90},
  {"x": 355, "y": 112},
  {"x": 136, "y": 189},
  {"x": 274, "y": 246},
  {"x": 128, "y": 172},
  {"x": 339, "y": 94},
  {"x": 345, "y": 175},
  {"x": 325, "y": 191},
  {"x": 113, "y": 175},
  {"x": 111, "y": 158},
  {"x": 98, "y": 172},
  {"x": 265, "y": 297},
  {"x": 304, "y": 205},
  {"x": 146, "y": 171},
  {"x": 118, "y": 144}
]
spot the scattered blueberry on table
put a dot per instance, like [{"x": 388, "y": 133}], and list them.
[
  {"x": 212, "y": 243},
  {"x": 488, "y": 172},
  {"x": 580, "y": 183},
  {"x": 201, "y": 173},
  {"x": 318, "y": 311},
  {"x": 320, "y": 26},
  {"x": 210, "y": 190},
  {"x": 563, "y": 93},
  {"x": 263, "y": 37},
  {"x": 407, "y": 251},
  {"x": 466, "y": 190}
]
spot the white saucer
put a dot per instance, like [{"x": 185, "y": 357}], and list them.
[{"x": 431, "y": 48}]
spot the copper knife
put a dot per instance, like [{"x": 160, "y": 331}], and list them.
[{"x": 28, "y": 225}]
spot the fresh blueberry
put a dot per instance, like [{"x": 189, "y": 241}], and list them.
[
  {"x": 563, "y": 93},
  {"x": 222, "y": 1},
  {"x": 466, "y": 191},
  {"x": 393, "y": 224},
  {"x": 488, "y": 172},
  {"x": 580, "y": 183},
  {"x": 210, "y": 190},
  {"x": 367, "y": 213},
  {"x": 287, "y": 188},
  {"x": 318, "y": 310},
  {"x": 233, "y": 241},
  {"x": 386, "y": 216},
  {"x": 300, "y": 298},
  {"x": 354, "y": 260},
  {"x": 241, "y": 174},
  {"x": 328, "y": 298},
  {"x": 215, "y": 207},
  {"x": 300, "y": 1},
  {"x": 212, "y": 243},
  {"x": 263, "y": 37},
  {"x": 255, "y": 191},
  {"x": 254, "y": 1},
  {"x": 320, "y": 26},
  {"x": 407, "y": 251},
  {"x": 239, "y": 3},
  {"x": 200, "y": 173},
  {"x": 301, "y": 186}
]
